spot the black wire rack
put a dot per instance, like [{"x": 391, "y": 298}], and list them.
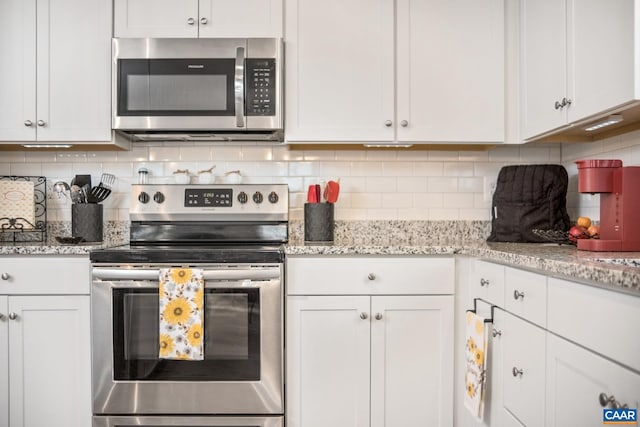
[{"x": 22, "y": 230}]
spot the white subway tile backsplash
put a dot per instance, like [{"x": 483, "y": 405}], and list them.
[
  {"x": 458, "y": 169},
  {"x": 458, "y": 200},
  {"x": 397, "y": 200},
  {"x": 26, "y": 169},
  {"x": 442, "y": 185},
  {"x": 164, "y": 154},
  {"x": 375, "y": 184},
  {"x": 412, "y": 184},
  {"x": 397, "y": 168}
]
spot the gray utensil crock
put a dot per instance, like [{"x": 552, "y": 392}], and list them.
[
  {"x": 86, "y": 221},
  {"x": 318, "y": 222}
]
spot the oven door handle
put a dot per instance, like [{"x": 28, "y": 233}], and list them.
[{"x": 154, "y": 274}]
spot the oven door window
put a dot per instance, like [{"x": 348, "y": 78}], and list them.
[
  {"x": 176, "y": 87},
  {"x": 231, "y": 338}
]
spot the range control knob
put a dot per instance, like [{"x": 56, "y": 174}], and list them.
[
  {"x": 242, "y": 197},
  {"x": 143, "y": 197},
  {"x": 158, "y": 197},
  {"x": 258, "y": 197},
  {"x": 273, "y": 197}
]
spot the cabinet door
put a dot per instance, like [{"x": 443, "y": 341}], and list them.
[
  {"x": 411, "y": 361},
  {"x": 240, "y": 18},
  {"x": 328, "y": 364},
  {"x": 49, "y": 355},
  {"x": 155, "y": 18},
  {"x": 18, "y": 70},
  {"x": 543, "y": 65},
  {"x": 601, "y": 63},
  {"x": 339, "y": 70},
  {"x": 523, "y": 370},
  {"x": 74, "y": 70},
  {"x": 451, "y": 61},
  {"x": 576, "y": 378},
  {"x": 4, "y": 362}
]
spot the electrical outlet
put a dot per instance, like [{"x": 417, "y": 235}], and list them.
[{"x": 488, "y": 188}]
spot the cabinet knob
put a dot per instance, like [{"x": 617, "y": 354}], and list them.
[
  {"x": 566, "y": 102},
  {"x": 1, "y": 316},
  {"x": 496, "y": 333},
  {"x": 484, "y": 282},
  {"x": 364, "y": 316},
  {"x": 517, "y": 294},
  {"x": 5, "y": 276},
  {"x": 191, "y": 21},
  {"x": 28, "y": 123},
  {"x": 404, "y": 123},
  {"x": 610, "y": 402},
  {"x": 557, "y": 105},
  {"x": 13, "y": 316},
  {"x": 378, "y": 316},
  {"x": 203, "y": 21},
  {"x": 41, "y": 123},
  {"x": 371, "y": 276},
  {"x": 516, "y": 372},
  {"x": 388, "y": 123}
]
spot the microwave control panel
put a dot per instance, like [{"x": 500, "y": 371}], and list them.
[{"x": 261, "y": 87}]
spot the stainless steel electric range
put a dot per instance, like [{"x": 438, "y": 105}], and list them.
[{"x": 234, "y": 233}]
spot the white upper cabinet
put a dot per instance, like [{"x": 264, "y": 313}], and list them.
[
  {"x": 197, "y": 18},
  {"x": 55, "y": 77},
  {"x": 409, "y": 71},
  {"x": 577, "y": 61}
]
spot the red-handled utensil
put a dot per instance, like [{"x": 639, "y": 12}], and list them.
[
  {"x": 331, "y": 191},
  {"x": 311, "y": 194}
]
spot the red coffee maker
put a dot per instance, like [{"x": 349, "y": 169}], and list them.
[{"x": 619, "y": 189}]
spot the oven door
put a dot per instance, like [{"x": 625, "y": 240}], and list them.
[{"x": 242, "y": 368}]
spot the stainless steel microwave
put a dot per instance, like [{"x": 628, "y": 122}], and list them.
[{"x": 198, "y": 89}]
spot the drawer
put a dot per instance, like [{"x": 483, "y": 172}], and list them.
[
  {"x": 487, "y": 282},
  {"x": 523, "y": 370},
  {"x": 596, "y": 318},
  {"x": 526, "y": 295},
  {"x": 48, "y": 275},
  {"x": 370, "y": 275}
]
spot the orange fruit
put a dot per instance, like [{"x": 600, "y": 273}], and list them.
[
  {"x": 593, "y": 231},
  {"x": 584, "y": 221}
]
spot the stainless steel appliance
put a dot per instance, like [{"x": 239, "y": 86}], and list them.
[
  {"x": 198, "y": 89},
  {"x": 234, "y": 233}
]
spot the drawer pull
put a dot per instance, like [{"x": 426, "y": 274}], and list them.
[
  {"x": 496, "y": 333},
  {"x": 378, "y": 316},
  {"x": 13, "y": 316},
  {"x": 364, "y": 315},
  {"x": 5, "y": 276},
  {"x": 371, "y": 276},
  {"x": 516, "y": 372},
  {"x": 484, "y": 282},
  {"x": 517, "y": 294}
]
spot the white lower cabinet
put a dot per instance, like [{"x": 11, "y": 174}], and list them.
[
  {"x": 369, "y": 360},
  {"x": 579, "y": 381},
  {"x": 45, "y": 353}
]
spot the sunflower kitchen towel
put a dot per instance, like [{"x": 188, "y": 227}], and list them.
[
  {"x": 181, "y": 298},
  {"x": 477, "y": 333}
]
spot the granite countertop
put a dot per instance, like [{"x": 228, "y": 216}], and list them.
[
  {"x": 560, "y": 260},
  {"x": 408, "y": 238}
]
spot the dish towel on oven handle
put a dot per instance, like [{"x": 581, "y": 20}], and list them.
[
  {"x": 476, "y": 352},
  {"x": 181, "y": 300}
]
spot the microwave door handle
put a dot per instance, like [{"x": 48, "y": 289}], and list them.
[{"x": 239, "y": 87}]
